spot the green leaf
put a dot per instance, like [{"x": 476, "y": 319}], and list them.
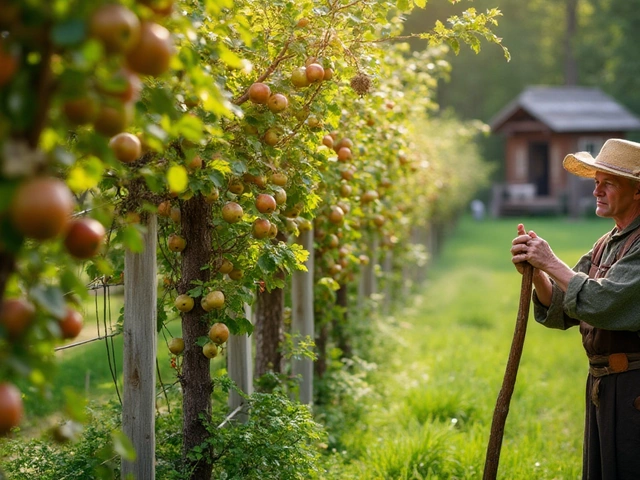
[
  {"x": 72, "y": 32},
  {"x": 51, "y": 299},
  {"x": 75, "y": 405},
  {"x": 131, "y": 238},
  {"x": 123, "y": 446}
]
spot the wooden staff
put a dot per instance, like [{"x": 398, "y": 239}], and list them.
[{"x": 509, "y": 381}]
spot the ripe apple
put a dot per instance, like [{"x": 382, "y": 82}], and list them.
[
  {"x": 176, "y": 345},
  {"x": 265, "y": 203},
  {"x": 344, "y": 154},
  {"x": 124, "y": 85},
  {"x": 184, "y": 303},
  {"x": 279, "y": 179},
  {"x": 346, "y": 208},
  {"x": 113, "y": 119},
  {"x": 303, "y": 22},
  {"x": 343, "y": 142},
  {"x": 280, "y": 196},
  {"x": 271, "y": 136},
  {"x": 41, "y": 207},
  {"x": 212, "y": 300},
  {"x": 151, "y": 55},
  {"x": 348, "y": 173},
  {"x": 225, "y": 267},
  {"x": 379, "y": 220},
  {"x": 84, "y": 237},
  {"x": 327, "y": 141},
  {"x": 314, "y": 122},
  {"x": 261, "y": 228},
  {"x": 273, "y": 231},
  {"x": 11, "y": 408},
  {"x": 210, "y": 350},
  {"x": 236, "y": 274},
  {"x": 71, "y": 324},
  {"x": 15, "y": 315},
  {"x": 328, "y": 74},
  {"x": 117, "y": 27},
  {"x": 175, "y": 214},
  {"x": 369, "y": 196},
  {"x": 236, "y": 186},
  {"x": 333, "y": 241},
  {"x": 259, "y": 93},
  {"x": 346, "y": 190},
  {"x": 80, "y": 111},
  {"x": 277, "y": 103},
  {"x": 126, "y": 147},
  {"x": 159, "y": 7},
  {"x": 336, "y": 215},
  {"x": 164, "y": 208},
  {"x": 299, "y": 77},
  {"x": 304, "y": 224},
  {"x": 232, "y": 212},
  {"x": 315, "y": 72},
  {"x": 219, "y": 333},
  {"x": 212, "y": 196},
  {"x": 195, "y": 163},
  {"x": 176, "y": 243}
]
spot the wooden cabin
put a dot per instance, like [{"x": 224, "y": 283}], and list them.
[{"x": 541, "y": 126}]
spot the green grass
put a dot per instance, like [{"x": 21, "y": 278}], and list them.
[{"x": 438, "y": 386}]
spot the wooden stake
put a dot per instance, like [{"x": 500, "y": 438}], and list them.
[{"x": 504, "y": 397}]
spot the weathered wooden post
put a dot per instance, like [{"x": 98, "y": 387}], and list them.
[
  {"x": 240, "y": 367},
  {"x": 302, "y": 318},
  {"x": 139, "y": 365}
]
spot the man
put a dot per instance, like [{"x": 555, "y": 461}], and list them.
[{"x": 601, "y": 294}]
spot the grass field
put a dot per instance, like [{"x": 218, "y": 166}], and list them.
[{"x": 438, "y": 388}]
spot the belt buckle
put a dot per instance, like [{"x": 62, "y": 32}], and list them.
[{"x": 618, "y": 362}]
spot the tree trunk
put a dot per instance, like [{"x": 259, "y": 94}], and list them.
[
  {"x": 269, "y": 331},
  {"x": 339, "y": 323},
  {"x": 196, "y": 377},
  {"x": 321, "y": 348},
  {"x": 571, "y": 64}
]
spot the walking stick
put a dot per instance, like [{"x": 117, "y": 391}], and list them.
[{"x": 509, "y": 381}]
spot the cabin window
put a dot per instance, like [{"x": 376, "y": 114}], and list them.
[{"x": 591, "y": 145}]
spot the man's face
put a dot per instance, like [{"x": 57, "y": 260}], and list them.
[{"x": 615, "y": 196}]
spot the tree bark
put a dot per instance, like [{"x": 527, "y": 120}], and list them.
[
  {"x": 269, "y": 331},
  {"x": 571, "y": 64},
  {"x": 321, "y": 348},
  {"x": 341, "y": 337},
  {"x": 196, "y": 377}
]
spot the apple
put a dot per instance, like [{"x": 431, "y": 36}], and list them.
[
  {"x": 184, "y": 303},
  {"x": 303, "y": 22},
  {"x": 280, "y": 196},
  {"x": 236, "y": 274},
  {"x": 212, "y": 196},
  {"x": 346, "y": 190},
  {"x": 152, "y": 54},
  {"x": 175, "y": 214},
  {"x": 336, "y": 215},
  {"x": 271, "y": 136},
  {"x": 304, "y": 224},
  {"x": 15, "y": 315},
  {"x": 236, "y": 186},
  {"x": 164, "y": 208},
  {"x": 232, "y": 212},
  {"x": 210, "y": 350},
  {"x": 214, "y": 300},
  {"x": 265, "y": 203},
  {"x": 346, "y": 208},
  {"x": 176, "y": 243},
  {"x": 277, "y": 103},
  {"x": 225, "y": 267},
  {"x": 364, "y": 259},
  {"x": 195, "y": 163},
  {"x": 41, "y": 207},
  {"x": 11, "y": 407},
  {"x": 333, "y": 241},
  {"x": 344, "y": 154},
  {"x": 124, "y": 85},
  {"x": 315, "y": 72},
  {"x": 259, "y": 93},
  {"x": 314, "y": 122},
  {"x": 343, "y": 142},
  {"x": 84, "y": 237},
  {"x": 219, "y": 333},
  {"x": 176, "y": 345},
  {"x": 273, "y": 231},
  {"x": 379, "y": 220},
  {"x": 261, "y": 228},
  {"x": 327, "y": 141},
  {"x": 126, "y": 147},
  {"x": 71, "y": 324},
  {"x": 328, "y": 74},
  {"x": 348, "y": 173},
  {"x": 369, "y": 196},
  {"x": 113, "y": 119},
  {"x": 80, "y": 111},
  {"x": 117, "y": 27},
  {"x": 279, "y": 179},
  {"x": 299, "y": 77}
]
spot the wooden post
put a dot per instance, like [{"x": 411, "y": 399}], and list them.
[
  {"x": 139, "y": 365},
  {"x": 240, "y": 367},
  {"x": 302, "y": 318},
  {"x": 387, "y": 268}
]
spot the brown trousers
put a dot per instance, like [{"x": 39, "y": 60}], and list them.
[{"x": 612, "y": 429}]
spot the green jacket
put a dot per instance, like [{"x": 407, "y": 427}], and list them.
[{"x": 611, "y": 303}]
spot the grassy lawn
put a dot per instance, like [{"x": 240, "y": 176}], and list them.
[{"x": 437, "y": 389}]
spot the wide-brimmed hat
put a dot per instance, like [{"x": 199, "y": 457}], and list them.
[{"x": 617, "y": 156}]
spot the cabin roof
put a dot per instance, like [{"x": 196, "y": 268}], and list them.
[{"x": 567, "y": 109}]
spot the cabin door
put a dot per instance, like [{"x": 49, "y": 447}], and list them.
[{"x": 539, "y": 167}]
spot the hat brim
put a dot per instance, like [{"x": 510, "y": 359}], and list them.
[{"x": 584, "y": 165}]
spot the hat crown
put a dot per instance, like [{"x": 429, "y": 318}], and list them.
[{"x": 621, "y": 155}]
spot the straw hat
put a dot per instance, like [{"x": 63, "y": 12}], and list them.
[{"x": 618, "y": 157}]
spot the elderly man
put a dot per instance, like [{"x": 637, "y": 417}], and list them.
[{"x": 601, "y": 294}]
